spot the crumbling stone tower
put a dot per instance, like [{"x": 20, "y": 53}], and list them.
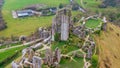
[{"x": 61, "y": 24}]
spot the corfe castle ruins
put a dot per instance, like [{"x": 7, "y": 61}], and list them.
[{"x": 61, "y": 29}]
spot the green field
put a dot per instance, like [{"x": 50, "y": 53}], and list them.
[
  {"x": 89, "y": 3},
  {"x": 25, "y": 26},
  {"x": 66, "y": 63},
  {"x": 93, "y": 23},
  {"x": 5, "y": 46},
  {"x": 7, "y": 54},
  {"x": 64, "y": 47}
]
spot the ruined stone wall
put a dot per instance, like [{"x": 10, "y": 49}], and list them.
[
  {"x": 61, "y": 23},
  {"x": 65, "y": 28}
]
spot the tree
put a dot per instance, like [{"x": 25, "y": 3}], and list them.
[
  {"x": 61, "y": 5},
  {"x": 57, "y": 36},
  {"x": 112, "y": 3}
]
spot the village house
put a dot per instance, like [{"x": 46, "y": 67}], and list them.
[
  {"x": 53, "y": 10},
  {"x": 52, "y": 58},
  {"x": 48, "y": 11},
  {"x": 30, "y": 12},
  {"x": 22, "y": 13}
]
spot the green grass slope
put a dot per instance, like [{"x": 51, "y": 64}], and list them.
[
  {"x": 109, "y": 44},
  {"x": 9, "y": 53}
]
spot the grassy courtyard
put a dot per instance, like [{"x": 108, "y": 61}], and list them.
[
  {"x": 66, "y": 63},
  {"x": 93, "y": 23},
  {"x": 64, "y": 47}
]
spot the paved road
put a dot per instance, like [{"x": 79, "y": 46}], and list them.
[
  {"x": 1, "y": 50},
  {"x": 28, "y": 43}
]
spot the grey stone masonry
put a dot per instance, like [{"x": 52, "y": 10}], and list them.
[
  {"x": 61, "y": 24},
  {"x": 37, "y": 62}
]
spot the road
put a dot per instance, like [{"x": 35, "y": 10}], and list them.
[
  {"x": 28, "y": 43},
  {"x": 1, "y": 50}
]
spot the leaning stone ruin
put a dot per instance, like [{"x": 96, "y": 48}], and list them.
[
  {"x": 61, "y": 24},
  {"x": 41, "y": 33},
  {"x": 52, "y": 58},
  {"x": 44, "y": 33},
  {"x": 37, "y": 62}
]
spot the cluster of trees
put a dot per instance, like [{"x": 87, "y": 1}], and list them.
[
  {"x": 73, "y": 4},
  {"x": 111, "y": 11},
  {"x": 2, "y": 23},
  {"x": 113, "y": 15},
  {"x": 113, "y": 3}
]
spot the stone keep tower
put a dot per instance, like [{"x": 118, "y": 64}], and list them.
[{"x": 61, "y": 24}]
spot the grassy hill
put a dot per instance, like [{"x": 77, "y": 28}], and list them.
[
  {"x": 25, "y": 26},
  {"x": 109, "y": 44},
  {"x": 6, "y": 56}
]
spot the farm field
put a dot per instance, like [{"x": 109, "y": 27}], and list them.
[{"x": 25, "y": 26}]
